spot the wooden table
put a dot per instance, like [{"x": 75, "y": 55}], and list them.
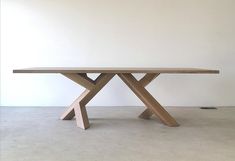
[{"x": 79, "y": 75}]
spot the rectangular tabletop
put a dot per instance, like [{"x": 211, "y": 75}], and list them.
[{"x": 114, "y": 70}]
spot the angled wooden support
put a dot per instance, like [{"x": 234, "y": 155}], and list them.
[
  {"x": 147, "y": 99},
  {"x": 77, "y": 108},
  {"x": 148, "y": 78},
  {"x": 79, "y": 75},
  {"x": 81, "y": 79}
]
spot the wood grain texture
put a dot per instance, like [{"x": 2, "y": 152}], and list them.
[
  {"x": 148, "y": 99},
  {"x": 79, "y": 75},
  {"x": 112, "y": 70},
  {"x": 81, "y": 79},
  {"x": 69, "y": 112},
  {"x": 81, "y": 117},
  {"x": 78, "y": 107},
  {"x": 148, "y": 78},
  {"x": 146, "y": 114}
]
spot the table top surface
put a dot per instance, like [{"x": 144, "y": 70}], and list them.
[{"x": 114, "y": 70}]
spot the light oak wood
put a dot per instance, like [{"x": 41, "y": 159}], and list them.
[
  {"x": 113, "y": 70},
  {"x": 81, "y": 117},
  {"x": 78, "y": 108},
  {"x": 79, "y": 75},
  {"x": 81, "y": 79},
  {"x": 148, "y": 99},
  {"x": 69, "y": 113},
  {"x": 148, "y": 78},
  {"x": 146, "y": 114}
]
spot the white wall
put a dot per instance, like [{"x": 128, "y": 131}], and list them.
[{"x": 118, "y": 33}]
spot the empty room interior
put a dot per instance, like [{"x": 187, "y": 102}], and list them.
[{"x": 117, "y": 80}]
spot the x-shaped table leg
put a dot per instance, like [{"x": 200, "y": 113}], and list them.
[
  {"x": 153, "y": 106},
  {"x": 77, "y": 108},
  {"x": 147, "y": 79}
]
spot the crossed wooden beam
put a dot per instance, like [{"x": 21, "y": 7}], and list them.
[{"x": 78, "y": 107}]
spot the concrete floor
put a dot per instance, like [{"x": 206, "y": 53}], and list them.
[{"x": 116, "y": 134}]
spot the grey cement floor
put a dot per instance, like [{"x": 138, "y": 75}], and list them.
[{"x": 116, "y": 134}]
